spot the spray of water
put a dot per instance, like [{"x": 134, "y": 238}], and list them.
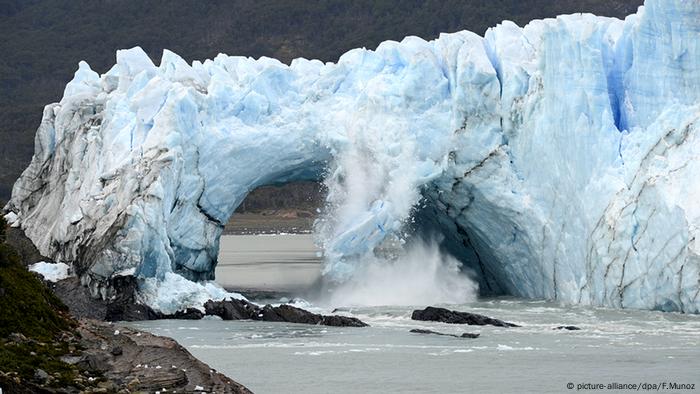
[
  {"x": 420, "y": 275},
  {"x": 373, "y": 188}
]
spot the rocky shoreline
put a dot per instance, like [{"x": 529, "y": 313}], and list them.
[
  {"x": 111, "y": 358},
  {"x": 95, "y": 354},
  {"x": 48, "y": 347}
]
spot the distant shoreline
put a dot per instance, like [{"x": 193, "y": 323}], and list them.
[{"x": 286, "y": 221}]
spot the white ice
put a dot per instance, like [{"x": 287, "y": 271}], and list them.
[
  {"x": 52, "y": 272},
  {"x": 561, "y": 157}
]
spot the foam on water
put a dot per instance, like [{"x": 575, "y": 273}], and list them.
[{"x": 420, "y": 274}]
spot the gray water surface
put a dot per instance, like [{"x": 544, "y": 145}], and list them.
[
  {"x": 613, "y": 346},
  {"x": 286, "y": 262}
]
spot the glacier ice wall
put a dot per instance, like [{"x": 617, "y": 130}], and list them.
[{"x": 563, "y": 155}]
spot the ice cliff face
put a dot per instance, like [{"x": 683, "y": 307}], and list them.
[{"x": 560, "y": 159}]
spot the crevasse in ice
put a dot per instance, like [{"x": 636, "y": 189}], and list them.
[{"x": 560, "y": 159}]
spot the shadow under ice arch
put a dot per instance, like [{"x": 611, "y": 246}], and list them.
[{"x": 558, "y": 158}]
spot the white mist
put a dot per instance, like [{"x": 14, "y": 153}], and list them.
[{"x": 420, "y": 275}]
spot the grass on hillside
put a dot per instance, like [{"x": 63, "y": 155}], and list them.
[{"x": 28, "y": 307}]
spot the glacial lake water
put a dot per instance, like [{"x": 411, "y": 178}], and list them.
[
  {"x": 287, "y": 262},
  {"x": 613, "y": 346}
]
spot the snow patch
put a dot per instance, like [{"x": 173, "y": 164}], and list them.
[
  {"x": 12, "y": 219},
  {"x": 52, "y": 272}
]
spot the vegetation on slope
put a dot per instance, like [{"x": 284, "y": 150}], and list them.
[
  {"x": 35, "y": 328},
  {"x": 28, "y": 307}
]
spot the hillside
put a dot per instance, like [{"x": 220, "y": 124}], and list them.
[{"x": 44, "y": 40}]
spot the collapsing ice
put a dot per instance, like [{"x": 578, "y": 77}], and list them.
[{"x": 558, "y": 159}]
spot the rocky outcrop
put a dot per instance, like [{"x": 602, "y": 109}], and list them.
[
  {"x": 104, "y": 357},
  {"x": 140, "y": 361},
  {"x": 240, "y": 310},
  {"x": 124, "y": 307},
  {"x": 121, "y": 307},
  {"x": 45, "y": 350},
  {"x": 454, "y": 317},
  {"x": 464, "y": 335}
]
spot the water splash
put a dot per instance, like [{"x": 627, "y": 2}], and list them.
[
  {"x": 373, "y": 186},
  {"x": 421, "y": 274}
]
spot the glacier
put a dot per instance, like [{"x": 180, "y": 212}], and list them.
[{"x": 559, "y": 160}]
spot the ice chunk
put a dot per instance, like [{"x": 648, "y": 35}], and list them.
[
  {"x": 174, "y": 293},
  {"x": 52, "y": 272},
  {"x": 12, "y": 219}
]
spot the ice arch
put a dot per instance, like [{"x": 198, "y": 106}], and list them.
[{"x": 562, "y": 155}]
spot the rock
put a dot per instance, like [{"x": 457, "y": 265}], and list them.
[
  {"x": 291, "y": 314},
  {"x": 95, "y": 361},
  {"x": 343, "y": 321},
  {"x": 231, "y": 309},
  {"x": 130, "y": 312},
  {"x": 241, "y": 309},
  {"x": 570, "y": 328},
  {"x": 121, "y": 306},
  {"x": 422, "y": 331},
  {"x": 455, "y": 317},
  {"x": 187, "y": 314},
  {"x": 170, "y": 366},
  {"x": 17, "y": 337},
  {"x": 152, "y": 379},
  {"x": 71, "y": 359},
  {"x": 41, "y": 375}
]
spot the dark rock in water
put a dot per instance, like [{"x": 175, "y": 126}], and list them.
[
  {"x": 292, "y": 314},
  {"x": 570, "y": 328},
  {"x": 465, "y": 335},
  {"x": 187, "y": 314},
  {"x": 421, "y": 331},
  {"x": 241, "y": 310},
  {"x": 288, "y": 313},
  {"x": 455, "y": 317},
  {"x": 232, "y": 309},
  {"x": 343, "y": 321}
]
